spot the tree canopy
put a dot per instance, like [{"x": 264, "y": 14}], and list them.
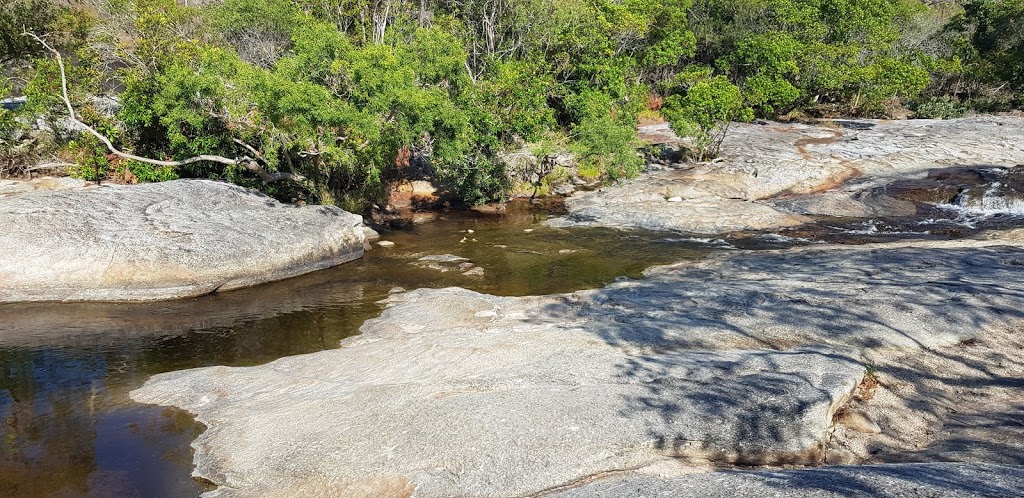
[{"x": 354, "y": 94}]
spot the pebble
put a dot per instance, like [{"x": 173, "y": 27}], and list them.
[
  {"x": 675, "y": 199},
  {"x": 386, "y": 243}
]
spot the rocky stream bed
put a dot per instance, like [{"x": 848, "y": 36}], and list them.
[{"x": 827, "y": 311}]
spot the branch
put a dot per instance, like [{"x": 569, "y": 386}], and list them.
[
  {"x": 58, "y": 164},
  {"x": 251, "y": 165}
]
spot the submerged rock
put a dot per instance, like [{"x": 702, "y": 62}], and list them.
[
  {"x": 162, "y": 241},
  {"x": 740, "y": 358}
]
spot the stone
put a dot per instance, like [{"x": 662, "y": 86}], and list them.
[
  {"x": 474, "y": 271},
  {"x": 843, "y": 204},
  {"x": 632, "y": 205},
  {"x": 563, "y": 189},
  {"x": 8, "y": 187},
  {"x": 443, "y": 258},
  {"x": 743, "y": 357},
  {"x": 953, "y": 480},
  {"x": 159, "y": 241},
  {"x": 858, "y": 421},
  {"x": 675, "y": 199},
  {"x": 772, "y": 175},
  {"x": 386, "y": 243},
  {"x": 370, "y": 234},
  {"x": 840, "y": 457}
]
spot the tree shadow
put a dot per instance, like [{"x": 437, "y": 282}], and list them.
[{"x": 776, "y": 335}]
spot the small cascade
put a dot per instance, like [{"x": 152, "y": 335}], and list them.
[{"x": 994, "y": 199}]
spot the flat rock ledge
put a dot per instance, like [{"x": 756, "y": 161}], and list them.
[
  {"x": 773, "y": 175},
  {"x": 740, "y": 358},
  {"x": 159, "y": 241},
  {"x": 948, "y": 480}
]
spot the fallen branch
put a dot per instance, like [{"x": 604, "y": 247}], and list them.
[
  {"x": 246, "y": 162},
  {"x": 52, "y": 165}
]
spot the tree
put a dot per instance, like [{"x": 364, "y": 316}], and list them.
[{"x": 704, "y": 111}]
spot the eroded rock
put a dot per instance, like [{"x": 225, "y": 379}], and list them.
[{"x": 162, "y": 241}]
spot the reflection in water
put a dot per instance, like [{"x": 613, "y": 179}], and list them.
[{"x": 69, "y": 429}]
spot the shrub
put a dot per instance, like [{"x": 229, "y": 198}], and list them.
[
  {"x": 940, "y": 108},
  {"x": 704, "y": 112}
]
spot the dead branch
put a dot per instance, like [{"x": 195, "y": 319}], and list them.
[
  {"x": 246, "y": 162},
  {"x": 51, "y": 165}
]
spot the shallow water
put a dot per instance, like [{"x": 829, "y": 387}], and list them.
[{"x": 69, "y": 428}]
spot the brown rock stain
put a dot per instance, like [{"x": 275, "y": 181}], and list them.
[{"x": 802, "y": 143}]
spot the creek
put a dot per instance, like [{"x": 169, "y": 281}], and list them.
[{"x": 69, "y": 428}]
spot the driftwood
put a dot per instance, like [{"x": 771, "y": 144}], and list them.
[{"x": 249, "y": 163}]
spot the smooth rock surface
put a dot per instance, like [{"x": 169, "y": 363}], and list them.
[
  {"x": 771, "y": 175},
  {"x": 742, "y": 358},
  {"x": 953, "y": 480},
  {"x": 162, "y": 241},
  {"x": 8, "y": 187}
]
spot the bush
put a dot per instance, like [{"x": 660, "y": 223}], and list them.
[
  {"x": 940, "y": 108},
  {"x": 704, "y": 112}
]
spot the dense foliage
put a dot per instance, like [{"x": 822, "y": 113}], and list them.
[{"x": 357, "y": 94}]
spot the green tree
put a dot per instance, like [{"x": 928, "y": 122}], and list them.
[{"x": 704, "y": 111}]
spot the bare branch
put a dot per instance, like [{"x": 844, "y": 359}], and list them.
[
  {"x": 249, "y": 164},
  {"x": 52, "y": 165}
]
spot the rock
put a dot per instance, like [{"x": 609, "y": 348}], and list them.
[
  {"x": 634, "y": 204},
  {"x": 474, "y": 271},
  {"x": 896, "y": 481},
  {"x": 563, "y": 189},
  {"x": 924, "y": 191},
  {"x": 840, "y": 457},
  {"x": 416, "y": 195},
  {"x": 489, "y": 208},
  {"x": 444, "y": 262},
  {"x": 767, "y": 170},
  {"x": 419, "y": 188},
  {"x": 162, "y": 241},
  {"x": 743, "y": 357},
  {"x": 857, "y": 421},
  {"x": 386, "y": 243},
  {"x": 845, "y": 204},
  {"x": 370, "y": 234},
  {"x": 8, "y": 187},
  {"x": 443, "y": 258},
  {"x": 675, "y": 199}
]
